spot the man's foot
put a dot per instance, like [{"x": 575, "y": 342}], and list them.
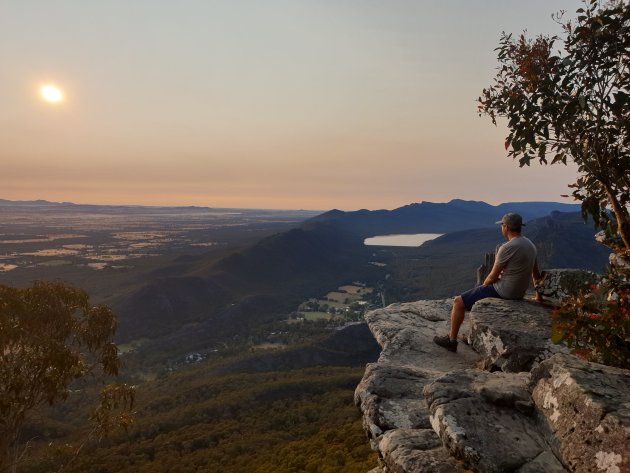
[{"x": 446, "y": 342}]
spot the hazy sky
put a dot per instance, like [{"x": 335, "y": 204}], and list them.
[{"x": 312, "y": 104}]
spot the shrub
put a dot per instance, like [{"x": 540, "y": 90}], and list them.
[{"x": 595, "y": 324}]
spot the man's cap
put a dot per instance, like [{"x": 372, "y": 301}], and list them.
[{"x": 512, "y": 220}]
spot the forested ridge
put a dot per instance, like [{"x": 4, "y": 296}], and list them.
[{"x": 194, "y": 421}]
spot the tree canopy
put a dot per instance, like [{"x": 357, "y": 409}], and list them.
[
  {"x": 50, "y": 335},
  {"x": 573, "y": 104}
]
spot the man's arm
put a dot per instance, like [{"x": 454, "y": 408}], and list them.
[{"x": 494, "y": 275}]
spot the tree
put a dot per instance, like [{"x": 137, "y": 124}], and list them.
[
  {"x": 50, "y": 336},
  {"x": 574, "y": 104}
]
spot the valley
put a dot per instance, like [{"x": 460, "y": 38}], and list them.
[
  {"x": 107, "y": 249},
  {"x": 242, "y": 330}
]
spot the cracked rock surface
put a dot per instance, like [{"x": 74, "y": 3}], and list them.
[
  {"x": 485, "y": 420},
  {"x": 512, "y": 335},
  {"x": 586, "y": 409},
  {"x": 417, "y": 450},
  {"x": 426, "y": 409}
]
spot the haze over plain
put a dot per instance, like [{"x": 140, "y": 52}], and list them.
[{"x": 276, "y": 104}]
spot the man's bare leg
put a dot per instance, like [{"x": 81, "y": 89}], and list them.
[{"x": 457, "y": 316}]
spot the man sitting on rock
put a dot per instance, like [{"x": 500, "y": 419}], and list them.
[{"x": 515, "y": 262}]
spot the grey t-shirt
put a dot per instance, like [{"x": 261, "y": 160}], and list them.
[{"x": 517, "y": 257}]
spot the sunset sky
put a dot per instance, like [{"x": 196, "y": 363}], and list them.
[{"x": 312, "y": 104}]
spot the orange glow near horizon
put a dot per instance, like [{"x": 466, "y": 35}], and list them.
[{"x": 321, "y": 105}]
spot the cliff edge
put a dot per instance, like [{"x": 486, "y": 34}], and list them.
[{"x": 508, "y": 401}]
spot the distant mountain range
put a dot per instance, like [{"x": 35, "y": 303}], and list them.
[
  {"x": 430, "y": 217},
  {"x": 99, "y": 207},
  {"x": 30, "y": 202},
  {"x": 269, "y": 279},
  {"x": 440, "y": 217}
]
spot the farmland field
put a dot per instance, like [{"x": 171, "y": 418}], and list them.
[{"x": 109, "y": 250}]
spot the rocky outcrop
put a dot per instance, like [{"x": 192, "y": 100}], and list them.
[
  {"x": 395, "y": 413},
  {"x": 511, "y": 336},
  {"x": 585, "y": 408},
  {"x": 486, "y": 420},
  {"x": 560, "y": 283},
  {"x": 426, "y": 409}
]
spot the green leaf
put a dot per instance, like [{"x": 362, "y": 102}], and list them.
[
  {"x": 557, "y": 158},
  {"x": 558, "y": 109},
  {"x": 524, "y": 160},
  {"x": 582, "y": 101},
  {"x": 621, "y": 97},
  {"x": 557, "y": 336}
]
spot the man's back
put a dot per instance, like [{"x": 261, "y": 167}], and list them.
[{"x": 517, "y": 257}]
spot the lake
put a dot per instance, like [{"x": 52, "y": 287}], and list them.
[{"x": 401, "y": 240}]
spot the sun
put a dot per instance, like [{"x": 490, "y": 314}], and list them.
[{"x": 51, "y": 93}]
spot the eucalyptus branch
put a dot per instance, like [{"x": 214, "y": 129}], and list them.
[{"x": 570, "y": 99}]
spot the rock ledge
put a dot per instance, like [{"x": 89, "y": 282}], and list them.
[{"x": 426, "y": 409}]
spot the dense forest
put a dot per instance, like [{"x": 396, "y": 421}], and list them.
[{"x": 197, "y": 421}]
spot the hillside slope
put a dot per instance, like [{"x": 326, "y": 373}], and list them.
[
  {"x": 281, "y": 270},
  {"x": 284, "y": 269}
]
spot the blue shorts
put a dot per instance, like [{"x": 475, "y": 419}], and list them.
[{"x": 477, "y": 293}]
